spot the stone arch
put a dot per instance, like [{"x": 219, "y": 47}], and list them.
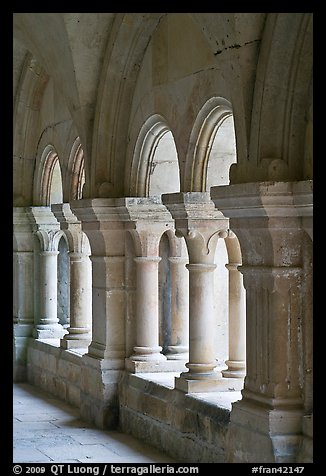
[
  {"x": 30, "y": 89},
  {"x": 210, "y": 118},
  {"x": 126, "y": 47},
  {"x": 281, "y": 98},
  {"x": 44, "y": 177},
  {"x": 153, "y": 132}
]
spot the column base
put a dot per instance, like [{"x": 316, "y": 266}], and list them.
[
  {"x": 263, "y": 434},
  {"x": 177, "y": 352},
  {"x": 236, "y": 369},
  {"x": 305, "y": 454},
  {"x": 77, "y": 337},
  {"x": 74, "y": 343},
  {"x": 137, "y": 366},
  {"x": 109, "y": 358},
  {"x": 207, "y": 384},
  {"x": 54, "y": 332}
]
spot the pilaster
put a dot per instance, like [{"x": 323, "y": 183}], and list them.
[
  {"x": 271, "y": 220},
  {"x": 23, "y": 305},
  {"x": 105, "y": 231}
]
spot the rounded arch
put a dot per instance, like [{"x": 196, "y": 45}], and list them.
[
  {"x": 150, "y": 139},
  {"x": 209, "y": 120},
  {"x": 48, "y": 179},
  {"x": 31, "y": 86}
]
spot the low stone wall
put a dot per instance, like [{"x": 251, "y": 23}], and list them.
[
  {"x": 77, "y": 379},
  {"x": 55, "y": 370},
  {"x": 185, "y": 427},
  {"x": 189, "y": 429}
]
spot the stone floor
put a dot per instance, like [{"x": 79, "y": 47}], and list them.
[{"x": 48, "y": 430}]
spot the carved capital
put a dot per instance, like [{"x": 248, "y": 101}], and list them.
[
  {"x": 202, "y": 241},
  {"x": 49, "y": 240},
  {"x": 198, "y": 221}
]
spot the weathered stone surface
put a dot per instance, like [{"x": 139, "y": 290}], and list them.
[{"x": 129, "y": 128}]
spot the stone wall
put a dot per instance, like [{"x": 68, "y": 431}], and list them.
[
  {"x": 55, "y": 370},
  {"x": 185, "y": 426}
]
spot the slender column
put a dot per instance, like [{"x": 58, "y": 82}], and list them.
[
  {"x": 179, "y": 348},
  {"x": 79, "y": 334},
  {"x": 48, "y": 325},
  {"x": 47, "y": 234},
  {"x": 237, "y": 325},
  {"x": 148, "y": 220},
  {"x": 147, "y": 348},
  {"x": 202, "y": 360},
  {"x": 80, "y": 306},
  {"x": 201, "y": 225}
]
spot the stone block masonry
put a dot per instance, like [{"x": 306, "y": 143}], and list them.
[{"x": 187, "y": 428}]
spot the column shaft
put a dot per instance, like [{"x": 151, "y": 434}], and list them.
[
  {"x": 147, "y": 348},
  {"x": 48, "y": 325},
  {"x": 237, "y": 325},
  {"x": 201, "y": 321},
  {"x": 48, "y": 288},
  {"x": 179, "y": 347},
  {"x": 80, "y": 302}
]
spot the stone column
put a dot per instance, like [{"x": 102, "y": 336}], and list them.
[
  {"x": 237, "y": 325},
  {"x": 79, "y": 332},
  {"x": 179, "y": 347},
  {"x": 147, "y": 220},
  {"x": 147, "y": 321},
  {"x": 47, "y": 231},
  {"x": 269, "y": 219},
  {"x": 201, "y": 225},
  {"x": 23, "y": 305},
  {"x": 48, "y": 325},
  {"x": 202, "y": 361}
]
